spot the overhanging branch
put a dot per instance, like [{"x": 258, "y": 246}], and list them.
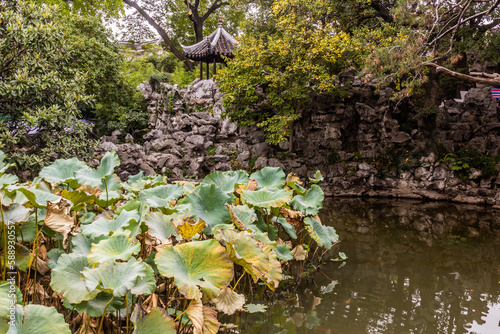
[{"x": 470, "y": 78}]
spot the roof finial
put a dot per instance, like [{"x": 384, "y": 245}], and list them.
[{"x": 220, "y": 20}]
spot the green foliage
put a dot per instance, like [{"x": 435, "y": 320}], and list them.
[
  {"x": 102, "y": 270},
  {"x": 40, "y": 90},
  {"x": 466, "y": 158}
]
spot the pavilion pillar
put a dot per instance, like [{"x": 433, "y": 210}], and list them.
[
  {"x": 201, "y": 70},
  {"x": 215, "y": 68},
  {"x": 208, "y": 70}
]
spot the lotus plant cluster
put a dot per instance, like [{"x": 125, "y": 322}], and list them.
[{"x": 94, "y": 254}]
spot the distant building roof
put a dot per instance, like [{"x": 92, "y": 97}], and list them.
[{"x": 217, "y": 44}]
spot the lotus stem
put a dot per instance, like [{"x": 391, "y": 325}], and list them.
[
  {"x": 239, "y": 279},
  {"x": 104, "y": 313},
  {"x": 106, "y": 186},
  {"x": 126, "y": 303},
  {"x": 4, "y": 271},
  {"x": 35, "y": 254}
]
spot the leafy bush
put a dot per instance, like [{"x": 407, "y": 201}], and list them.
[{"x": 111, "y": 244}]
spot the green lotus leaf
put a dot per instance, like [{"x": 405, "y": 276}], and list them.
[
  {"x": 317, "y": 177},
  {"x": 40, "y": 319},
  {"x": 160, "y": 225},
  {"x": 161, "y": 196},
  {"x": 115, "y": 278},
  {"x": 102, "y": 226},
  {"x": 195, "y": 265},
  {"x": 38, "y": 197},
  {"x": 7, "y": 179},
  {"x": 269, "y": 177},
  {"x": 27, "y": 231},
  {"x": 66, "y": 278},
  {"x": 53, "y": 256},
  {"x": 260, "y": 261},
  {"x": 95, "y": 177},
  {"x": 266, "y": 198},
  {"x": 15, "y": 214},
  {"x": 325, "y": 236},
  {"x": 118, "y": 247},
  {"x": 155, "y": 322},
  {"x": 95, "y": 307},
  {"x": 63, "y": 171},
  {"x": 254, "y": 308},
  {"x": 78, "y": 197},
  {"x": 311, "y": 203},
  {"x": 108, "y": 163},
  {"x": 22, "y": 257},
  {"x": 6, "y": 295},
  {"x": 297, "y": 187},
  {"x": 287, "y": 227},
  {"x": 147, "y": 284},
  {"x": 81, "y": 244},
  {"x": 136, "y": 177},
  {"x": 284, "y": 253},
  {"x": 226, "y": 180},
  {"x": 208, "y": 203}
]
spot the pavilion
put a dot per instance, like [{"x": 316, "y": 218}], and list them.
[{"x": 212, "y": 49}]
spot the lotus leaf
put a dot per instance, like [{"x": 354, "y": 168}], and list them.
[
  {"x": 6, "y": 295},
  {"x": 311, "y": 203},
  {"x": 228, "y": 301},
  {"x": 118, "y": 247},
  {"x": 317, "y": 177},
  {"x": 284, "y": 253},
  {"x": 259, "y": 261},
  {"x": 7, "y": 179},
  {"x": 95, "y": 307},
  {"x": 299, "y": 253},
  {"x": 204, "y": 318},
  {"x": 269, "y": 177},
  {"x": 226, "y": 180},
  {"x": 93, "y": 177},
  {"x": 15, "y": 214},
  {"x": 242, "y": 216},
  {"x": 196, "y": 264},
  {"x": 147, "y": 284},
  {"x": 208, "y": 203},
  {"x": 78, "y": 197},
  {"x": 67, "y": 278},
  {"x": 63, "y": 171},
  {"x": 115, "y": 278},
  {"x": 266, "y": 198},
  {"x": 102, "y": 226},
  {"x": 22, "y": 257},
  {"x": 160, "y": 225},
  {"x": 40, "y": 319},
  {"x": 58, "y": 218},
  {"x": 161, "y": 196},
  {"x": 155, "y": 322},
  {"x": 287, "y": 227},
  {"x": 254, "y": 308},
  {"x": 38, "y": 197},
  {"x": 53, "y": 256},
  {"x": 325, "y": 236},
  {"x": 189, "y": 228}
]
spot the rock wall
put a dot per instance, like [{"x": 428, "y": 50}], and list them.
[{"x": 351, "y": 140}]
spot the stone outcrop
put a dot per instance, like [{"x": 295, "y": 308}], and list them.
[{"x": 354, "y": 141}]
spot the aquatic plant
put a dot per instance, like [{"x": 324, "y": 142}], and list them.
[{"x": 145, "y": 254}]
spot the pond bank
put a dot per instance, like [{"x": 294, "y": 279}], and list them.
[{"x": 364, "y": 145}]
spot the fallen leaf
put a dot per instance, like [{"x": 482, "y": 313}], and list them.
[{"x": 228, "y": 301}]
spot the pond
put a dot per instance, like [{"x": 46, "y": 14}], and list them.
[{"x": 412, "y": 267}]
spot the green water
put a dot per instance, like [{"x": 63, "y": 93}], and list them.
[{"x": 412, "y": 267}]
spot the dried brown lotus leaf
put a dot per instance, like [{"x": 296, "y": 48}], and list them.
[
  {"x": 58, "y": 219},
  {"x": 299, "y": 253},
  {"x": 228, "y": 301},
  {"x": 292, "y": 177},
  {"x": 293, "y": 217}
]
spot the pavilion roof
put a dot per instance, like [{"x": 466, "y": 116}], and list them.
[{"x": 217, "y": 44}]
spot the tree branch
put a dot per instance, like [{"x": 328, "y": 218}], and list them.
[
  {"x": 469, "y": 78},
  {"x": 163, "y": 34},
  {"x": 216, "y": 5}
]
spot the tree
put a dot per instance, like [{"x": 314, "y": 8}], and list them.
[
  {"x": 296, "y": 52},
  {"x": 51, "y": 64}
]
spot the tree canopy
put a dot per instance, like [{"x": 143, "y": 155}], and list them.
[{"x": 293, "y": 49}]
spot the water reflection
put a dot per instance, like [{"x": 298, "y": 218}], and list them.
[{"x": 412, "y": 268}]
